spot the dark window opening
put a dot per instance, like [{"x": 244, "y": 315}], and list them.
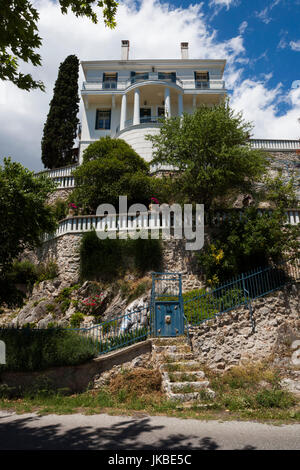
[
  {"x": 103, "y": 117},
  {"x": 202, "y": 79},
  {"x": 170, "y": 76},
  {"x": 110, "y": 80},
  {"x": 139, "y": 76}
]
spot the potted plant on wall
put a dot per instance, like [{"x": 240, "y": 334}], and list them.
[{"x": 72, "y": 209}]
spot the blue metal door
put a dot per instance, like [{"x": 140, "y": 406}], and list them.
[{"x": 169, "y": 319}]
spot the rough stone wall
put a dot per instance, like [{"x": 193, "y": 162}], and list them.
[
  {"x": 59, "y": 194},
  {"x": 291, "y": 156},
  {"x": 177, "y": 259},
  {"x": 229, "y": 340},
  {"x": 64, "y": 251}
]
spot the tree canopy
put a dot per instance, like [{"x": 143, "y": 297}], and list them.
[
  {"x": 61, "y": 125},
  {"x": 210, "y": 149},
  {"x": 19, "y": 38},
  {"x": 248, "y": 240},
  {"x": 111, "y": 168},
  {"x": 24, "y": 214}
]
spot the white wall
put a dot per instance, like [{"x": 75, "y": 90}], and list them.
[{"x": 136, "y": 138}]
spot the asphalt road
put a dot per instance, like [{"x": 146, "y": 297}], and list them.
[{"x": 70, "y": 432}]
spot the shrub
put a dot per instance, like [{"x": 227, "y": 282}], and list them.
[
  {"x": 200, "y": 305},
  {"x": 22, "y": 272},
  {"x": 60, "y": 208},
  {"x": 99, "y": 257},
  {"x": 105, "y": 259},
  {"x": 92, "y": 304},
  {"x": 76, "y": 319},
  {"x": 248, "y": 240},
  {"x": 30, "y": 349},
  {"x": 274, "y": 399},
  {"x": 147, "y": 254},
  {"x": 47, "y": 270}
]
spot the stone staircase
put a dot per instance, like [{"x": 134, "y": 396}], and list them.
[{"x": 182, "y": 377}]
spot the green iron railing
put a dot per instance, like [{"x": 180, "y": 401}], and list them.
[
  {"x": 122, "y": 331},
  {"x": 240, "y": 291}
]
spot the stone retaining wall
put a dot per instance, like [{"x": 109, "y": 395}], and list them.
[
  {"x": 62, "y": 193},
  {"x": 75, "y": 378},
  {"x": 228, "y": 339},
  {"x": 64, "y": 250}
]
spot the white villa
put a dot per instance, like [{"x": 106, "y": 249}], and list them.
[{"x": 128, "y": 98}]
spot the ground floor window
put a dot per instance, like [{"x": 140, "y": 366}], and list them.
[{"x": 103, "y": 118}]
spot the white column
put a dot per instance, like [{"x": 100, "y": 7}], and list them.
[
  {"x": 123, "y": 112},
  {"x": 136, "y": 108},
  {"x": 167, "y": 102},
  {"x": 194, "y": 102},
  {"x": 180, "y": 104}
]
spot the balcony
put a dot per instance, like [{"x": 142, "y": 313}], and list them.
[
  {"x": 109, "y": 85},
  {"x": 143, "y": 120},
  {"x": 202, "y": 85}
]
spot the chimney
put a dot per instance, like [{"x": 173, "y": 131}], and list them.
[
  {"x": 124, "y": 49},
  {"x": 184, "y": 50}
]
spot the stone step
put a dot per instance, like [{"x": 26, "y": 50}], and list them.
[
  {"x": 193, "y": 376},
  {"x": 181, "y": 387},
  {"x": 189, "y": 397},
  {"x": 181, "y": 366},
  {"x": 169, "y": 341},
  {"x": 182, "y": 348},
  {"x": 176, "y": 357}
]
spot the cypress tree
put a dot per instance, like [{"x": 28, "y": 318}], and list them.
[{"x": 61, "y": 125}]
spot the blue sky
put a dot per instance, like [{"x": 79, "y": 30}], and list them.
[
  {"x": 260, "y": 39},
  {"x": 271, "y": 36}
]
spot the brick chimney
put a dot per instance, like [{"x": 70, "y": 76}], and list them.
[
  {"x": 124, "y": 49},
  {"x": 184, "y": 50}
]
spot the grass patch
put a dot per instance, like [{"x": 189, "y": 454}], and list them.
[{"x": 138, "y": 390}]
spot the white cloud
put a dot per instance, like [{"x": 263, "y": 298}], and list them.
[
  {"x": 154, "y": 31},
  {"x": 223, "y": 3},
  {"x": 259, "y": 105},
  {"x": 264, "y": 15},
  {"x": 295, "y": 45},
  {"x": 243, "y": 27},
  {"x": 282, "y": 44}
]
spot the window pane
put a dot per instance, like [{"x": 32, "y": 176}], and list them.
[{"x": 103, "y": 119}]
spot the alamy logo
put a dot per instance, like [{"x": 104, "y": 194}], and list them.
[
  {"x": 2, "y": 353},
  {"x": 138, "y": 222}
]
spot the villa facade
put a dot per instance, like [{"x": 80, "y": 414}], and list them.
[{"x": 128, "y": 99}]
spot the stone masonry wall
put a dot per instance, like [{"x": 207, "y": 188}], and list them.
[
  {"x": 64, "y": 250},
  {"x": 228, "y": 339},
  {"x": 59, "y": 194}
]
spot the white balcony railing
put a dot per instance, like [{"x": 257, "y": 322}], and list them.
[
  {"x": 275, "y": 144},
  {"x": 143, "y": 221},
  {"x": 98, "y": 85},
  {"x": 58, "y": 172},
  {"x": 62, "y": 176}
]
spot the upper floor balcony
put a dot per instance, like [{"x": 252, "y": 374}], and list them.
[{"x": 169, "y": 79}]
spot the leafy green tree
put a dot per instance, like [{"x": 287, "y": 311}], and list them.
[
  {"x": 210, "y": 149},
  {"x": 279, "y": 191},
  {"x": 24, "y": 214},
  {"x": 111, "y": 168},
  {"x": 19, "y": 37},
  {"x": 247, "y": 241},
  {"x": 61, "y": 124}
]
